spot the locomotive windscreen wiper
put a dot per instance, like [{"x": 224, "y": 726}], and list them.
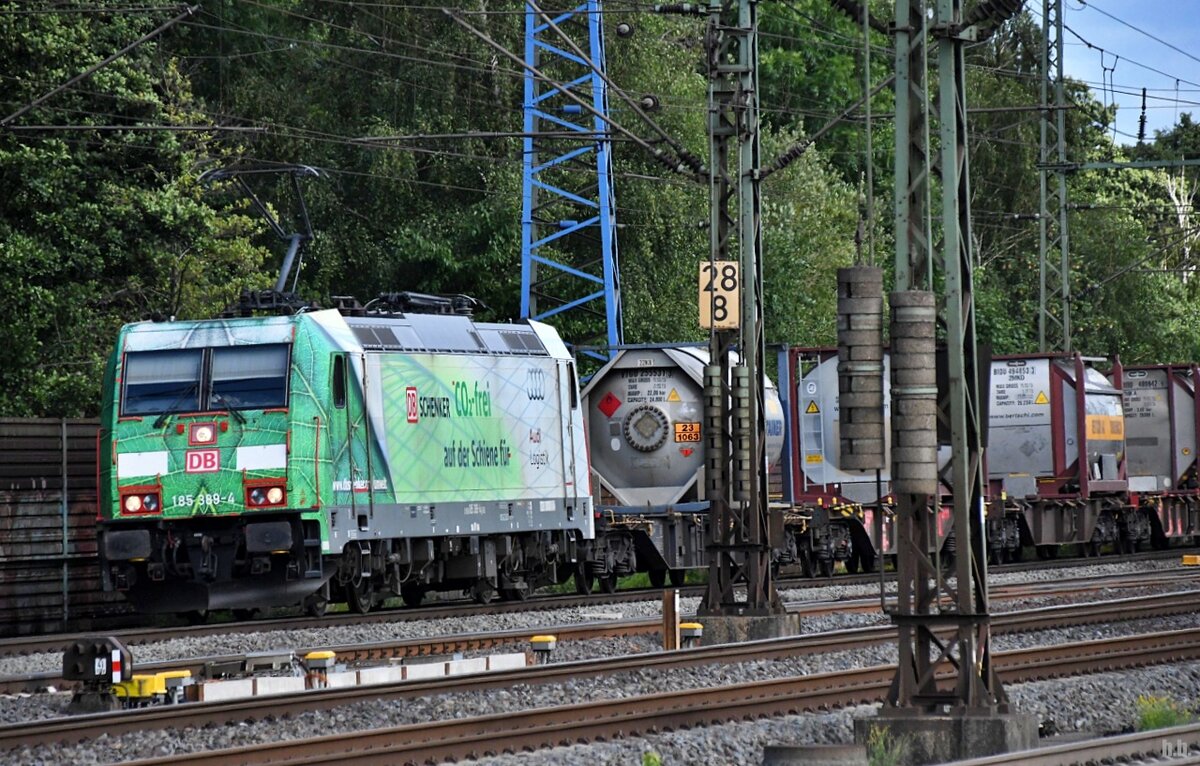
[
  {"x": 220, "y": 399},
  {"x": 162, "y": 419}
]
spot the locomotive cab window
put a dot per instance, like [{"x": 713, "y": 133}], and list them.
[
  {"x": 573, "y": 384},
  {"x": 249, "y": 377},
  {"x": 339, "y": 381},
  {"x": 162, "y": 381}
]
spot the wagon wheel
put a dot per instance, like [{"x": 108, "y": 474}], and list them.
[
  {"x": 608, "y": 583},
  {"x": 678, "y": 576},
  {"x": 852, "y": 562},
  {"x": 866, "y": 561},
  {"x": 658, "y": 577},
  {"x": 361, "y": 595}
]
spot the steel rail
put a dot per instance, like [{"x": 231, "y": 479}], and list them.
[
  {"x": 1120, "y": 748},
  {"x": 134, "y": 636},
  {"x": 1004, "y": 622},
  {"x": 634, "y": 716},
  {"x": 90, "y": 726}
]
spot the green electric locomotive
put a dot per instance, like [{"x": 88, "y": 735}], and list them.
[{"x": 346, "y": 455}]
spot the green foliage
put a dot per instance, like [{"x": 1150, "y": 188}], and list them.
[
  {"x": 100, "y": 226},
  {"x": 885, "y": 750},
  {"x": 1155, "y": 712},
  {"x": 651, "y": 758}
]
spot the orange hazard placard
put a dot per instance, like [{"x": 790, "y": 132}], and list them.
[{"x": 1105, "y": 427}]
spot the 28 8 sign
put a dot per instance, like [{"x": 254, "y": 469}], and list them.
[{"x": 720, "y": 303}]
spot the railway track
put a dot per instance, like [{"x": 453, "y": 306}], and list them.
[
  {"x": 1136, "y": 608},
  {"x": 134, "y": 636},
  {"x": 1123, "y": 748},
  {"x": 214, "y": 713},
  {"x": 634, "y": 716}
]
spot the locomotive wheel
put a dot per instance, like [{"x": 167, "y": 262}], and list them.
[
  {"x": 678, "y": 576},
  {"x": 195, "y": 617},
  {"x": 316, "y": 604},
  {"x": 360, "y": 596},
  {"x": 245, "y": 615},
  {"x": 584, "y": 583},
  {"x": 608, "y": 583},
  {"x": 825, "y": 567},
  {"x": 514, "y": 594},
  {"x": 482, "y": 592},
  {"x": 412, "y": 594},
  {"x": 658, "y": 577}
]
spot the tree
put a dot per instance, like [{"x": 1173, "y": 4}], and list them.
[{"x": 100, "y": 226}]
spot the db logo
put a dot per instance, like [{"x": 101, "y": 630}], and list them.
[
  {"x": 410, "y": 400},
  {"x": 202, "y": 461}
]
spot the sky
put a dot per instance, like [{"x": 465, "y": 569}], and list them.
[{"x": 1131, "y": 57}]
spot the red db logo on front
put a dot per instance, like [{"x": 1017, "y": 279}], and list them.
[{"x": 203, "y": 461}]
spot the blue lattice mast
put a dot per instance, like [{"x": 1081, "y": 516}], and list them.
[{"x": 568, "y": 215}]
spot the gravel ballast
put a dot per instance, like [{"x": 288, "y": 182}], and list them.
[
  {"x": 1070, "y": 710},
  {"x": 542, "y": 620}
]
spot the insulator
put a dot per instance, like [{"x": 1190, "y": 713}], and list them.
[
  {"x": 744, "y": 470},
  {"x": 914, "y": 393},
  {"x": 860, "y": 368},
  {"x": 714, "y": 428}
]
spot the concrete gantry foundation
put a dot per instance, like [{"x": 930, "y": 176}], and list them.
[
  {"x": 936, "y": 738},
  {"x": 736, "y": 629}
]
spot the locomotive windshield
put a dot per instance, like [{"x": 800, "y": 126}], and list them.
[
  {"x": 197, "y": 380},
  {"x": 249, "y": 377},
  {"x": 162, "y": 381}
]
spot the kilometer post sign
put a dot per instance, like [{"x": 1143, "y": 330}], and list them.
[{"x": 720, "y": 295}]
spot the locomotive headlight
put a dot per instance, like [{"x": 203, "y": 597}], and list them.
[
  {"x": 133, "y": 503},
  {"x": 202, "y": 433},
  {"x": 149, "y": 502},
  {"x": 275, "y": 495},
  {"x": 257, "y": 496}
]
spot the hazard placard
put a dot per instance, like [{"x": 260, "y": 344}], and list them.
[
  {"x": 812, "y": 408},
  {"x": 1041, "y": 398},
  {"x": 673, "y": 396},
  {"x": 687, "y": 432},
  {"x": 609, "y": 404}
]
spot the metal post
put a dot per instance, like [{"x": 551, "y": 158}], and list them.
[
  {"x": 921, "y": 592},
  {"x": 1054, "y": 293},
  {"x": 670, "y": 602},
  {"x": 66, "y": 539},
  {"x": 736, "y": 473},
  {"x": 978, "y": 687}
]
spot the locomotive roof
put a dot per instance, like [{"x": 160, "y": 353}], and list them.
[
  {"x": 423, "y": 333},
  {"x": 445, "y": 334}
]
